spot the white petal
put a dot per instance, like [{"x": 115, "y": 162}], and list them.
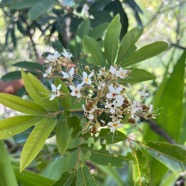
[
  {"x": 59, "y": 86},
  {"x": 72, "y": 87},
  {"x": 109, "y": 95},
  {"x": 111, "y": 88},
  {"x": 84, "y": 75},
  {"x": 53, "y": 87},
  {"x": 119, "y": 89},
  {"x": 71, "y": 72},
  {"x": 65, "y": 75},
  {"x": 52, "y": 97},
  {"x": 91, "y": 74}
]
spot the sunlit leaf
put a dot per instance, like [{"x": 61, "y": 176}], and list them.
[
  {"x": 138, "y": 75},
  {"x": 38, "y": 92},
  {"x": 84, "y": 177},
  {"x": 144, "y": 53},
  {"x": 173, "y": 156},
  {"x": 127, "y": 45},
  {"x": 36, "y": 141},
  {"x": 65, "y": 101},
  {"x": 24, "y": 106},
  {"x": 141, "y": 170},
  {"x": 15, "y": 125},
  {"x": 111, "y": 41}
]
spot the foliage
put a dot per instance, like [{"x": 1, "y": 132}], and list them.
[{"x": 64, "y": 102}]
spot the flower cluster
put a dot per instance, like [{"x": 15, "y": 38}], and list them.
[{"x": 101, "y": 90}]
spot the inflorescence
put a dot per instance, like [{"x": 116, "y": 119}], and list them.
[{"x": 101, "y": 91}]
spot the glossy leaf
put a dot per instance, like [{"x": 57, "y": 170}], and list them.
[
  {"x": 127, "y": 45},
  {"x": 84, "y": 178},
  {"x": 103, "y": 157},
  {"x": 144, "y": 53},
  {"x": 15, "y": 125},
  {"x": 38, "y": 92},
  {"x": 40, "y": 8},
  {"x": 63, "y": 134},
  {"x": 111, "y": 41},
  {"x": 141, "y": 170},
  {"x": 91, "y": 47},
  {"x": 65, "y": 101},
  {"x": 21, "y": 105},
  {"x": 106, "y": 135},
  {"x": 29, "y": 65},
  {"x": 36, "y": 141},
  {"x": 30, "y": 178},
  {"x": 138, "y": 75},
  {"x": 173, "y": 156}
]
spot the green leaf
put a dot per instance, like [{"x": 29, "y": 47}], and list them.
[
  {"x": 66, "y": 179},
  {"x": 15, "y": 125},
  {"x": 127, "y": 45},
  {"x": 29, "y": 65},
  {"x": 170, "y": 179},
  {"x": 36, "y": 141},
  {"x": 30, "y": 178},
  {"x": 106, "y": 135},
  {"x": 38, "y": 92},
  {"x": 145, "y": 52},
  {"x": 91, "y": 47},
  {"x": 63, "y": 133},
  {"x": 66, "y": 101},
  {"x": 138, "y": 75},
  {"x": 98, "y": 31},
  {"x": 21, "y": 4},
  {"x": 74, "y": 122},
  {"x": 84, "y": 177},
  {"x": 11, "y": 76},
  {"x": 141, "y": 170},
  {"x": 169, "y": 97},
  {"x": 40, "y": 8},
  {"x": 24, "y": 106},
  {"x": 111, "y": 41},
  {"x": 84, "y": 28},
  {"x": 103, "y": 157},
  {"x": 173, "y": 156}
]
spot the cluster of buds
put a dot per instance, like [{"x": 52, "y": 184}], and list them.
[{"x": 101, "y": 90}]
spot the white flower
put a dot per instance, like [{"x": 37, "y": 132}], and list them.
[
  {"x": 101, "y": 72},
  {"x": 53, "y": 57},
  {"x": 76, "y": 91},
  {"x": 48, "y": 72},
  {"x": 122, "y": 73},
  {"x": 112, "y": 70},
  {"x": 55, "y": 90},
  {"x": 113, "y": 106},
  {"x": 69, "y": 74},
  {"x": 135, "y": 108},
  {"x": 143, "y": 93},
  {"x": 114, "y": 125},
  {"x": 101, "y": 85},
  {"x": 89, "y": 113},
  {"x": 86, "y": 78},
  {"x": 114, "y": 92},
  {"x": 66, "y": 54}
]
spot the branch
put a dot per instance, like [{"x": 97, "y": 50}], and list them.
[{"x": 158, "y": 130}]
